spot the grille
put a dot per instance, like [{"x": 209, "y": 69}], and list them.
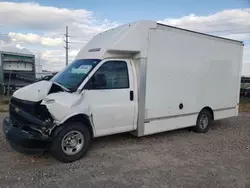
[
  {"x": 27, "y": 106},
  {"x": 16, "y": 119},
  {"x": 33, "y": 108}
]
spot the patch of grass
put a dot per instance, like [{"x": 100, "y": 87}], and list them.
[
  {"x": 4, "y": 100},
  {"x": 244, "y": 105},
  {"x": 4, "y": 108},
  {"x": 4, "y": 103}
]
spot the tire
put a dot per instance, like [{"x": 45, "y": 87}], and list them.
[
  {"x": 203, "y": 122},
  {"x": 66, "y": 149}
]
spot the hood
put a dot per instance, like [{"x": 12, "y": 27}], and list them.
[{"x": 34, "y": 92}]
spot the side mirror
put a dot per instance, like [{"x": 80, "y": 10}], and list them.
[{"x": 100, "y": 81}]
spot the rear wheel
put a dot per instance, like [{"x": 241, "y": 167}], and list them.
[
  {"x": 203, "y": 122},
  {"x": 71, "y": 143}
]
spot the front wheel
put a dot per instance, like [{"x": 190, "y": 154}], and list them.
[{"x": 71, "y": 143}]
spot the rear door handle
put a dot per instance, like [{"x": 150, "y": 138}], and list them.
[{"x": 131, "y": 95}]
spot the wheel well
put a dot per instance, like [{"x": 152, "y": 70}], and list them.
[
  {"x": 84, "y": 119},
  {"x": 210, "y": 110}
]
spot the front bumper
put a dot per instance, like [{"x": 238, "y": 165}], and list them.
[{"x": 25, "y": 140}]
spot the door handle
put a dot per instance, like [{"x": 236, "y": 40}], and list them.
[{"x": 131, "y": 95}]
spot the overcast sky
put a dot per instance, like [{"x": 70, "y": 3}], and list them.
[{"x": 39, "y": 26}]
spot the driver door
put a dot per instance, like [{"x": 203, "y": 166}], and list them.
[{"x": 110, "y": 96}]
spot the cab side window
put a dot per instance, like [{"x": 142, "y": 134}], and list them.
[{"x": 111, "y": 75}]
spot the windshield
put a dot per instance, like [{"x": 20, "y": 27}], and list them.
[{"x": 75, "y": 73}]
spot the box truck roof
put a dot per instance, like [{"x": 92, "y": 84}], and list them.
[
  {"x": 129, "y": 40},
  {"x": 199, "y": 33}
]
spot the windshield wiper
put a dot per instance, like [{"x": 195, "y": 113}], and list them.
[{"x": 64, "y": 88}]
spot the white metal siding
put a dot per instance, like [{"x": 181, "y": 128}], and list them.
[
  {"x": 191, "y": 69},
  {"x": 17, "y": 66}
]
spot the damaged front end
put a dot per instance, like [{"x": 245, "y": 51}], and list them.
[
  {"x": 29, "y": 126},
  {"x": 32, "y": 115}
]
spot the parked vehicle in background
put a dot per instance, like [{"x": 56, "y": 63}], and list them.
[
  {"x": 242, "y": 92},
  {"x": 48, "y": 77},
  {"x": 247, "y": 92},
  {"x": 128, "y": 79}
]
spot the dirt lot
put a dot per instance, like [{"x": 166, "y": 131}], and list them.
[{"x": 220, "y": 158}]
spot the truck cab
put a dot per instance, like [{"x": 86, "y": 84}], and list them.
[
  {"x": 98, "y": 94},
  {"x": 101, "y": 89}
]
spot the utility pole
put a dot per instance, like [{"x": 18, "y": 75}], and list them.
[
  {"x": 39, "y": 59},
  {"x": 67, "y": 46}
]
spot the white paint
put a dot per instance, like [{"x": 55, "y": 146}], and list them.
[
  {"x": 191, "y": 69},
  {"x": 33, "y": 92},
  {"x": 63, "y": 105},
  {"x": 163, "y": 125},
  {"x": 111, "y": 109},
  {"x": 221, "y": 114},
  {"x": 128, "y": 38}
]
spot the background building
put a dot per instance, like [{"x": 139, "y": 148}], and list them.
[{"x": 16, "y": 70}]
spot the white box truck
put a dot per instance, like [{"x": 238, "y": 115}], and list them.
[{"x": 142, "y": 78}]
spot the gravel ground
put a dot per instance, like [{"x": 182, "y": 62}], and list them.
[{"x": 219, "y": 158}]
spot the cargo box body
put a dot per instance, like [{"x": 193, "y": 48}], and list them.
[{"x": 186, "y": 72}]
